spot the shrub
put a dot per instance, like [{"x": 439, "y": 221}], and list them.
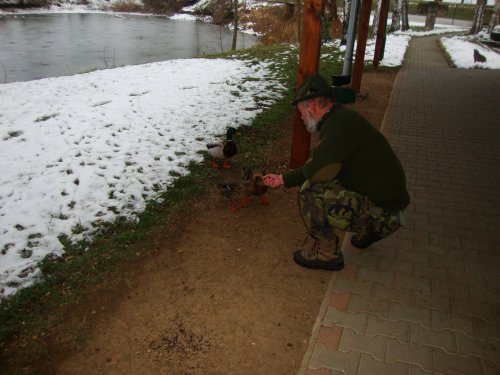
[
  {"x": 126, "y": 6},
  {"x": 165, "y": 6}
]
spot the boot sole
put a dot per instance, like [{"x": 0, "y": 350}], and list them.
[
  {"x": 365, "y": 244},
  {"x": 316, "y": 266}
]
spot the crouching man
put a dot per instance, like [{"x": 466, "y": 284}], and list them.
[{"x": 353, "y": 180}]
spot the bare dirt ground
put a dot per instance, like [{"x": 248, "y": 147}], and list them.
[{"x": 217, "y": 292}]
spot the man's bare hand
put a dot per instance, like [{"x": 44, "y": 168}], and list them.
[{"x": 273, "y": 180}]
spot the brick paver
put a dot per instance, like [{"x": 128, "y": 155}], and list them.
[{"x": 427, "y": 300}]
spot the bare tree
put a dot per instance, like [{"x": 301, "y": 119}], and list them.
[
  {"x": 334, "y": 21},
  {"x": 400, "y": 16},
  {"x": 235, "y": 22},
  {"x": 298, "y": 12},
  {"x": 477, "y": 23},
  {"x": 495, "y": 17},
  {"x": 220, "y": 39},
  {"x": 4, "y": 74},
  {"x": 331, "y": 7},
  {"x": 396, "y": 16},
  {"x": 376, "y": 18},
  {"x": 109, "y": 61},
  {"x": 405, "y": 24}
]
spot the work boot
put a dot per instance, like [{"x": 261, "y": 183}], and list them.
[
  {"x": 321, "y": 255},
  {"x": 362, "y": 241}
]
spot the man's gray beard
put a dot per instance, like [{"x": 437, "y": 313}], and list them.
[{"x": 311, "y": 126}]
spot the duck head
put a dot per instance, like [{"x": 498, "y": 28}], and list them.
[
  {"x": 254, "y": 181},
  {"x": 230, "y": 133}
]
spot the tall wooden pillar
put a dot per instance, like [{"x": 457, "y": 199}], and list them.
[
  {"x": 310, "y": 46},
  {"x": 380, "y": 42},
  {"x": 364, "y": 21}
]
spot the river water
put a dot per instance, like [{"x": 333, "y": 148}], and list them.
[{"x": 52, "y": 45}]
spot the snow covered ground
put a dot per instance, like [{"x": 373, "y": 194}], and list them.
[{"x": 91, "y": 147}]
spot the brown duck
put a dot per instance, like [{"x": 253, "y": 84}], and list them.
[{"x": 252, "y": 185}]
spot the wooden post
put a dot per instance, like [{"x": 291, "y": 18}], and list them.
[
  {"x": 364, "y": 20},
  {"x": 382, "y": 22},
  {"x": 310, "y": 46}
]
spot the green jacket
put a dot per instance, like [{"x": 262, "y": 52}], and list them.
[{"x": 368, "y": 164}]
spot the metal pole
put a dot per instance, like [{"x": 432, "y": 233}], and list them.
[{"x": 351, "y": 37}]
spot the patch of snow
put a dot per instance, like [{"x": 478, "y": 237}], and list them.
[{"x": 91, "y": 147}]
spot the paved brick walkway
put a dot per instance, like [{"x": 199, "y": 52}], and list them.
[{"x": 427, "y": 299}]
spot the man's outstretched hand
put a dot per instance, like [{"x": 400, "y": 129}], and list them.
[{"x": 273, "y": 180}]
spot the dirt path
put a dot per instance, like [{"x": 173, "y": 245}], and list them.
[{"x": 221, "y": 296}]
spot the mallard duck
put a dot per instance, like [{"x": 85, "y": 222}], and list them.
[
  {"x": 223, "y": 150},
  {"x": 252, "y": 185},
  {"x": 229, "y": 190}
]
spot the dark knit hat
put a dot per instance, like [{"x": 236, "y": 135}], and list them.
[{"x": 313, "y": 87}]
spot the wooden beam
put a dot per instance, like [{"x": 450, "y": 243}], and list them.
[
  {"x": 380, "y": 42},
  {"x": 310, "y": 46},
  {"x": 364, "y": 20}
]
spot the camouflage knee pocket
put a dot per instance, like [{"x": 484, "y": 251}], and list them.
[{"x": 331, "y": 205}]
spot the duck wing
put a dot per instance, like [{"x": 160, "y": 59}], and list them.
[
  {"x": 215, "y": 150},
  {"x": 229, "y": 149},
  {"x": 228, "y": 189},
  {"x": 214, "y": 145}
]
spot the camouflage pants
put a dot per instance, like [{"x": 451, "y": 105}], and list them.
[{"x": 329, "y": 206}]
